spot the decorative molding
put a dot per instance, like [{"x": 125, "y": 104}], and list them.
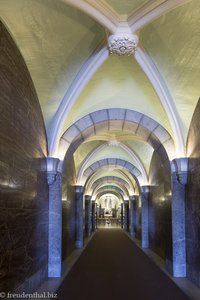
[
  {"x": 122, "y": 44},
  {"x": 179, "y": 169},
  {"x": 145, "y": 189},
  {"x": 150, "y": 11},
  {"x": 52, "y": 164},
  {"x": 138, "y": 161},
  {"x": 51, "y": 178},
  {"x": 86, "y": 72},
  {"x": 52, "y": 169},
  {"x": 113, "y": 143},
  {"x": 165, "y": 97},
  {"x": 79, "y": 189},
  {"x": 86, "y": 160},
  {"x": 99, "y": 11}
]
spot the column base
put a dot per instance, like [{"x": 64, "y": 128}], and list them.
[
  {"x": 54, "y": 272},
  {"x": 132, "y": 235},
  {"x": 179, "y": 270},
  {"x": 144, "y": 244},
  {"x": 79, "y": 244}
]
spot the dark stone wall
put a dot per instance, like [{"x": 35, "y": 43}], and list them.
[
  {"x": 193, "y": 200},
  {"x": 68, "y": 217},
  {"x": 160, "y": 228},
  {"x": 138, "y": 217},
  {"x": 23, "y": 185}
]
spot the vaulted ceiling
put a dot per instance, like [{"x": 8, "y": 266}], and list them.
[{"x": 64, "y": 44}]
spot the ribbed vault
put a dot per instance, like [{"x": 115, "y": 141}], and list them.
[{"x": 112, "y": 164}]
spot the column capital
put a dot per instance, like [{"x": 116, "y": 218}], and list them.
[
  {"x": 51, "y": 177},
  {"x": 132, "y": 198},
  {"x": 88, "y": 198},
  {"x": 52, "y": 169},
  {"x": 79, "y": 188},
  {"x": 53, "y": 164},
  {"x": 145, "y": 188},
  {"x": 179, "y": 170}
]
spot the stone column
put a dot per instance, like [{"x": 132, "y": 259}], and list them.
[
  {"x": 88, "y": 215},
  {"x": 122, "y": 215},
  {"x": 179, "y": 169},
  {"x": 137, "y": 213},
  {"x": 145, "y": 216},
  {"x": 96, "y": 216},
  {"x": 54, "y": 179},
  {"x": 132, "y": 215},
  {"x": 93, "y": 217},
  {"x": 79, "y": 216},
  {"x": 126, "y": 215}
]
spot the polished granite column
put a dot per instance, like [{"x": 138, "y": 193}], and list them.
[
  {"x": 93, "y": 216},
  {"x": 88, "y": 215},
  {"x": 79, "y": 216},
  {"x": 145, "y": 194},
  {"x": 54, "y": 178},
  {"x": 137, "y": 213},
  {"x": 126, "y": 215},
  {"x": 179, "y": 175},
  {"x": 132, "y": 215},
  {"x": 122, "y": 215}
]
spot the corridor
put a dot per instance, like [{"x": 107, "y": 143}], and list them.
[
  {"x": 112, "y": 267},
  {"x": 99, "y": 128}
]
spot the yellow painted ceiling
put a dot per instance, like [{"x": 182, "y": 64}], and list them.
[
  {"x": 173, "y": 42},
  {"x": 119, "y": 83},
  {"x": 111, "y": 152},
  {"x": 55, "y": 40},
  {"x": 83, "y": 150},
  {"x": 125, "y": 6},
  {"x": 143, "y": 150}
]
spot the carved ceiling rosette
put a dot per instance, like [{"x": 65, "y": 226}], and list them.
[{"x": 122, "y": 44}]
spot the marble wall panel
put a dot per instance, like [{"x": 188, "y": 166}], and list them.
[
  {"x": 68, "y": 195},
  {"x": 23, "y": 184},
  {"x": 192, "y": 200},
  {"x": 138, "y": 218},
  {"x": 160, "y": 228}
]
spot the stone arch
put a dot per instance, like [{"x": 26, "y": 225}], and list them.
[
  {"x": 110, "y": 179},
  {"x": 109, "y": 188},
  {"x": 115, "y": 193},
  {"x": 118, "y": 174},
  {"x": 95, "y": 151},
  {"x": 125, "y": 120},
  {"x": 113, "y": 163},
  {"x": 114, "y": 185}
]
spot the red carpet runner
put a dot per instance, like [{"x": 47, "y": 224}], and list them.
[{"x": 112, "y": 267}]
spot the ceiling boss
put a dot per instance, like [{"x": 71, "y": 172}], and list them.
[{"x": 122, "y": 44}]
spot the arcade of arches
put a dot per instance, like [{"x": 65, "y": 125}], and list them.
[{"x": 99, "y": 128}]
